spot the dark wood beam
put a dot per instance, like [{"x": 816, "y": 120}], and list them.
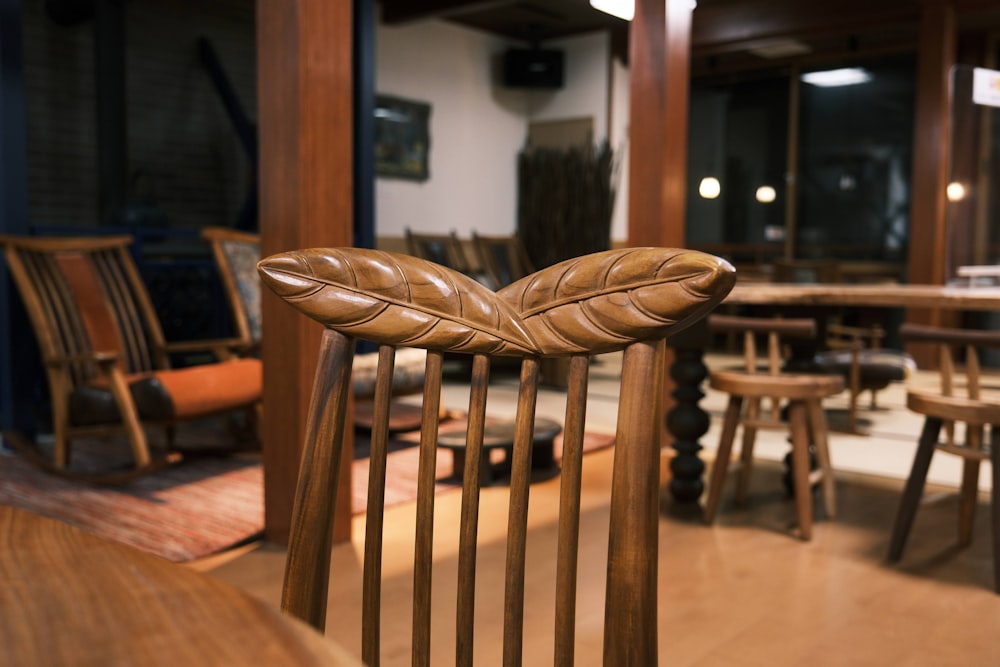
[
  {"x": 304, "y": 70},
  {"x": 404, "y": 11},
  {"x": 738, "y": 25}
]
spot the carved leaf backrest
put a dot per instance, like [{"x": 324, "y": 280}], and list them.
[
  {"x": 84, "y": 296},
  {"x": 625, "y": 299}
]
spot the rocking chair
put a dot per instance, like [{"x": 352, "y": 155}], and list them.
[{"x": 105, "y": 357}]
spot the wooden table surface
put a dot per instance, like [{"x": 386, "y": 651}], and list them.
[
  {"x": 71, "y": 598},
  {"x": 904, "y": 296}
]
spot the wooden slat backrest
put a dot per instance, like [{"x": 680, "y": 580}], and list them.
[
  {"x": 445, "y": 249},
  {"x": 234, "y": 251},
  {"x": 504, "y": 259},
  {"x": 954, "y": 345},
  {"x": 775, "y": 329},
  {"x": 85, "y": 294},
  {"x": 619, "y": 300}
]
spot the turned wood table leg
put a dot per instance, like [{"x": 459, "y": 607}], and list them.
[{"x": 687, "y": 421}]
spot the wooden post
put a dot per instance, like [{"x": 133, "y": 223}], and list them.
[
  {"x": 304, "y": 67},
  {"x": 659, "y": 58},
  {"x": 660, "y": 64},
  {"x": 928, "y": 228}
]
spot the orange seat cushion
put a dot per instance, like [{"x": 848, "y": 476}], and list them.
[{"x": 199, "y": 391}]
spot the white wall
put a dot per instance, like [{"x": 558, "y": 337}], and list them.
[{"x": 477, "y": 127}]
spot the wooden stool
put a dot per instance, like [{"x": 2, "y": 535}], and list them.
[
  {"x": 806, "y": 421},
  {"x": 943, "y": 411}
]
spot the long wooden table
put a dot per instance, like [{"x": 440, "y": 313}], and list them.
[
  {"x": 687, "y": 421},
  {"x": 71, "y": 598}
]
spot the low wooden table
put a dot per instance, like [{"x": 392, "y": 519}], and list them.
[
  {"x": 70, "y": 598},
  {"x": 500, "y": 435}
]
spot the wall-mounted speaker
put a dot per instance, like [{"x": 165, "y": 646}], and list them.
[{"x": 533, "y": 68}]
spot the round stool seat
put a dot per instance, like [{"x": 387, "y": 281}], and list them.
[
  {"x": 785, "y": 386},
  {"x": 953, "y": 408},
  {"x": 877, "y": 368}
]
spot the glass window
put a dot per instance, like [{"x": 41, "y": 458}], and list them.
[{"x": 855, "y": 158}]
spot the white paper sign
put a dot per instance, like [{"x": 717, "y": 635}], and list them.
[{"x": 986, "y": 86}]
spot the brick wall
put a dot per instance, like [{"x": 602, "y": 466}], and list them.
[{"x": 184, "y": 157}]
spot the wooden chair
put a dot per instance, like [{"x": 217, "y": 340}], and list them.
[
  {"x": 626, "y": 299},
  {"x": 103, "y": 350},
  {"x": 443, "y": 249},
  {"x": 236, "y": 254},
  {"x": 503, "y": 259},
  {"x": 806, "y": 420},
  {"x": 944, "y": 410},
  {"x": 858, "y": 355}
]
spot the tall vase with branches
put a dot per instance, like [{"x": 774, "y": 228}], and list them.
[{"x": 565, "y": 201}]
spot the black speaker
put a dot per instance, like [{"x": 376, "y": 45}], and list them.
[{"x": 533, "y": 68}]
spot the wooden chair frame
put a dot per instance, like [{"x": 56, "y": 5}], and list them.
[
  {"x": 503, "y": 259},
  {"x": 232, "y": 248},
  {"x": 444, "y": 249},
  {"x": 98, "y": 332},
  {"x": 801, "y": 392},
  {"x": 595, "y": 309},
  {"x": 943, "y": 410}
]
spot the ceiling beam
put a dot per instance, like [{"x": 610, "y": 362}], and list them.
[
  {"x": 404, "y": 11},
  {"x": 732, "y": 26}
]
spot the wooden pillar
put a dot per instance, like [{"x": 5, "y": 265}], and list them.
[
  {"x": 304, "y": 93},
  {"x": 928, "y": 202},
  {"x": 659, "y": 63},
  {"x": 660, "y": 77}
]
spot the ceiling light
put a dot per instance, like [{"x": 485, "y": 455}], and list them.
[
  {"x": 623, "y": 9},
  {"x": 846, "y": 76}
]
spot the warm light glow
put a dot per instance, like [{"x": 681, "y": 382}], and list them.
[
  {"x": 846, "y": 76},
  {"x": 709, "y": 188},
  {"x": 623, "y": 9},
  {"x": 955, "y": 191},
  {"x": 766, "y": 194}
]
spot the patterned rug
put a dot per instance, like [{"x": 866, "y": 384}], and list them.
[
  {"x": 203, "y": 505},
  {"x": 198, "y": 507}
]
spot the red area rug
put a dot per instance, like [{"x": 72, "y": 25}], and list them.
[
  {"x": 198, "y": 507},
  {"x": 201, "y": 506}
]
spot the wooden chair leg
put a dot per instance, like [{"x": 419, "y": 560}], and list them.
[
  {"x": 746, "y": 451},
  {"x": 721, "y": 464},
  {"x": 818, "y": 426},
  {"x": 969, "y": 493},
  {"x": 797, "y": 421},
  {"x": 914, "y": 488}
]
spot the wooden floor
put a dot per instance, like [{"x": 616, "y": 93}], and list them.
[{"x": 742, "y": 592}]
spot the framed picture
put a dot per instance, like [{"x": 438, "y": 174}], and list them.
[{"x": 402, "y": 137}]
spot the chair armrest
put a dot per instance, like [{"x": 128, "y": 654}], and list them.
[
  {"x": 101, "y": 358},
  {"x": 224, "y": 347}
]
